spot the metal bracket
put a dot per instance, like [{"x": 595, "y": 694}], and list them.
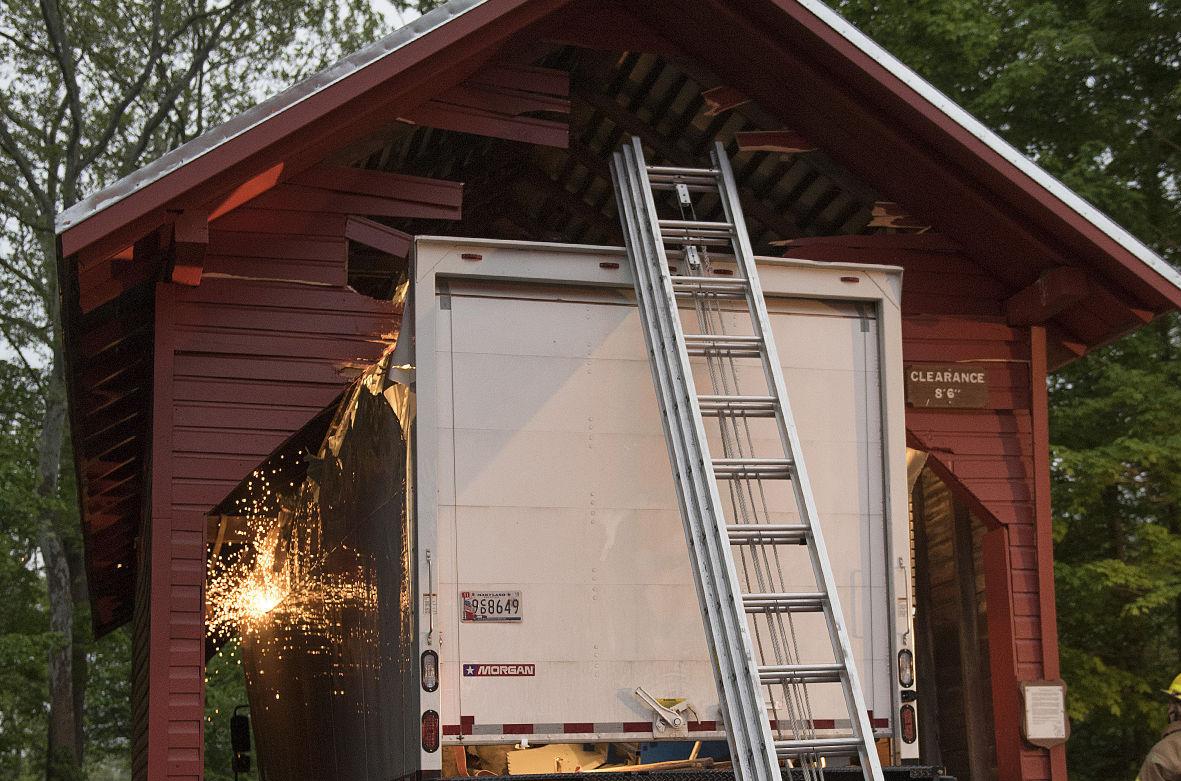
[{"x": 668, "y": 721}]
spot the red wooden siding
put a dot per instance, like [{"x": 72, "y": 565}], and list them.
[
  {"x": 996, "y": 459},
  {"x": 270, "y": 336}
]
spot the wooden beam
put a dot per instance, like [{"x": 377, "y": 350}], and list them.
[
  {"x": 754, "y": 207},
  {"x": 887, "y": 214},
  {"x": 288, "y": 196},
  {"x": 1062, "y": 347},
  {"x": 380, "y": 237},
  {"x": 446, "y": 195},
  {"x": 186, "y": 253},
  {"x": 601, "y": 26},
  {"x": 500, "y": 101},
  {"x": 784, "y": 142},
  {"x": 248, "y": 190},
  {"x": 971, "y": 665},
  {"x": 1055, "y": 290},
  {"x": 721, "y": 99}
]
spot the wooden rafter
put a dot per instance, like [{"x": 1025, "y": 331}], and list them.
[
  {"x": 1054, "y": 291},
  {"x": 782, "y": 224}
]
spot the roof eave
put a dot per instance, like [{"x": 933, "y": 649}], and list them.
[
  {"x": 257, "y": 115},
  {"x": 1047, "y": 182}
]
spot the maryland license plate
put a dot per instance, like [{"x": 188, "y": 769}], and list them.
[{"x": 491, "y": 605}]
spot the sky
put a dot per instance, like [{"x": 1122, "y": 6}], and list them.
[{"x": 396, "y": 17}]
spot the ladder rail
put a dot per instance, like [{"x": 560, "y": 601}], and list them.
[
  {"x": 718, "y": 588},
  {"x": 713, "y": 542},
  {"x": 802, "y": 485}
]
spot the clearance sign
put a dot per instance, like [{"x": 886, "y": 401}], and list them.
[{"x": 963, "y": 385}]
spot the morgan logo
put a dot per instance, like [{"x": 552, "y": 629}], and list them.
[{"x": 499, "y": 670}]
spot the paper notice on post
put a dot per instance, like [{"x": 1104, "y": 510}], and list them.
[{"x": 1045, "y": 713}]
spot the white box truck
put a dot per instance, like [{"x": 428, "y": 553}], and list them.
[{"x": 552, "y": 577}]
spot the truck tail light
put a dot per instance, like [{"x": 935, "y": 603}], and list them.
[
  {"x": 905, "y": 668},
  {"x": 430, "y": 731},
  {"x": 430, "y": 671},
  {"x": 909, "y": 724}
]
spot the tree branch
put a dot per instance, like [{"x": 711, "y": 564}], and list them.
[
  {"x": 14, "y": 321},
  {"x": 33, "y": 375},
  {"x": 31, "y": 51},
  {"x": 37, "y": 286},
  {"x": 64, "y": 54},
  {"x": 166, "y": 101},
  {"x": 17, "y": 120},
  {"x": 29, "y": 214},
  {"x": 24, "y": 165},
  {"x": 133, "y": 91}
]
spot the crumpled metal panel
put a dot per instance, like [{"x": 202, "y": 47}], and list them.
[{"x": 330, "y": 669}]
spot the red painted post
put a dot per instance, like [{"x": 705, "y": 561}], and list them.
[
  {"x": 1002, "y": 653},
  {"x": 176, "y": 664},
  {"x": 1040, "y": 409}
]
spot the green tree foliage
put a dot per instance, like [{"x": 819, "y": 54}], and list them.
[
  {"x": 225, "y": 690},
  {"x": 24, "y": 626},
  {"x": 1091, "y": 89}
]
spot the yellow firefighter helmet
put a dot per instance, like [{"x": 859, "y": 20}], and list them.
[{"x": 1174, "y": 689}]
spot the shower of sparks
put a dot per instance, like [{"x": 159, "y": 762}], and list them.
[
  {"x": 296, "y": 581},
  {"x": 247, "y": 584},
  {"x": 277, "y": 579}
]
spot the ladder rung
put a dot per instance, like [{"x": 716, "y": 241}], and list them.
[
  {"x": 696, "y": 238},
  {"x": 673, "y": 170},
  {"x": 828, "y": 746},
  {"x": 696, "y": 225},
  {"x": 720, "y": 283},
  {"x": 752, "y": 468},
  {"x": 693, "y": 185},
  {"x": 716, "y": 344},
  {"x": 784, "y": 603},
  {"x": 802, "y": 673},
  {"x": 738, "y": 406},
  {"x": 767, "y": 534},
  {"x": 717, "y": 287}
]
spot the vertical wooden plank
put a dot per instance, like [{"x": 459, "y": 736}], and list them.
[
  {"x": 160, "y": 508},
  {"x": 1044, "y": 520},
  {"x": 972, "y": 689},
  {"x": 1002, "y": 653},
  {"x": 928, "y": 682}
]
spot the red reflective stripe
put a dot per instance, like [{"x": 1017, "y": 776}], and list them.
[
  {"x": 582, "y": 727},
  {"x": 578, "y": 726}
]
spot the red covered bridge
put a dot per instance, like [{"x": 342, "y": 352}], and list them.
[{"x": 219, "y": 298}]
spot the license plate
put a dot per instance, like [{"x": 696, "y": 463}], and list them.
[{"x": 491, "y": 605}]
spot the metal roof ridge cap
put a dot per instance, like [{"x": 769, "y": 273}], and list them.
[
  {"x": 260, "y": 112},
  {"x": 961, "y": 117}
]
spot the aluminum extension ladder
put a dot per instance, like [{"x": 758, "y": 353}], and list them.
[{"x": 743, "y": 680}]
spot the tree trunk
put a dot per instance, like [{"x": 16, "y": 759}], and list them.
[
  {"x": 64, "y": 739},
  {"x": 82, "y": 640}
]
